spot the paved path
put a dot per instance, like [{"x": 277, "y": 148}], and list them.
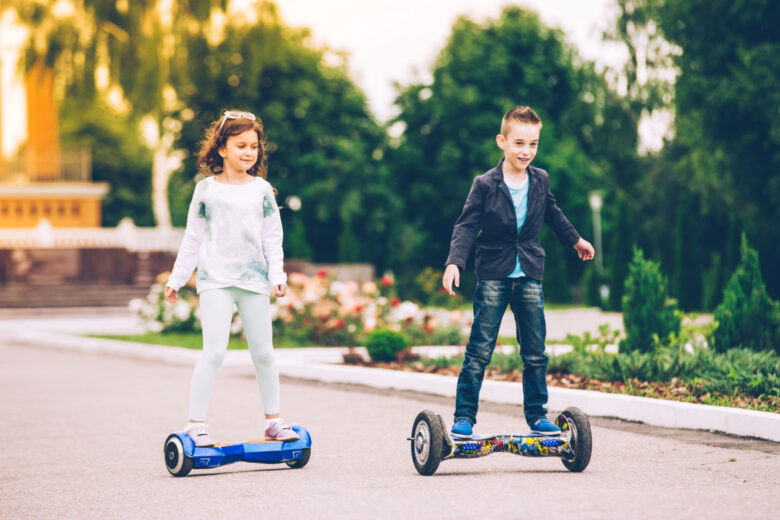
[{"x": 82, "y": 437}]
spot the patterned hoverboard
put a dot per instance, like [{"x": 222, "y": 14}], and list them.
[
  {"x": 182, "y": 456},
  {"x": 432, "y": 443}
]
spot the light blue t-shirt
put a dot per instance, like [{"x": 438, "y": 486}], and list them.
[{"x": 519, "y": 193}]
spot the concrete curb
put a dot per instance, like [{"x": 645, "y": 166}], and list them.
[{"x": 318, "y": 364}]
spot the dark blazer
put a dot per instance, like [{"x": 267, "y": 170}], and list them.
[{"x": 489, "y": 208}]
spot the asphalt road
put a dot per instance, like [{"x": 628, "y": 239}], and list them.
[{"x": 82, "y": 437}]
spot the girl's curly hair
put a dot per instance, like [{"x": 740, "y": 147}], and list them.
[{"x": 217, "y": 133}]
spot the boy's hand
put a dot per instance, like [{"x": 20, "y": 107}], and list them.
[
  {"x": 280, "y": 290},
  {"x": 584, "y": 249},
  {"x": 452, "y": 273},
  {"x": 170, "y": 295}
]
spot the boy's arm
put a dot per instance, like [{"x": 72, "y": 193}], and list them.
[
  {"x": 466, "y": 227},
  {"x": 558, "y": 222}
]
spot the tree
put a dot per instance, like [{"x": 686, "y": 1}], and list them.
[
  {"x": 118, "y": 158},
  {"x": 451, "y": 123},
  {"x": 747, "y": 317},
  {"x": 647, "y": 315},
  {"x": 726, "y": 149},
  {"x": 325, "y": 147},
  {"x": 128, "y": 53},
  {"x": 169, "y": 69}
]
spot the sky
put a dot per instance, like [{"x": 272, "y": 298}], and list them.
[
  {"x": 389, "y": 41},
  {"x": 398, "y": 40}
]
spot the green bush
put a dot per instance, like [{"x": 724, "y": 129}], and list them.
[
  {"x": 606, "y": 336},
  {"x": 429, "y": 292},
  {"x": 747, "y": 317},
  {"x": 591, "y": 287},
  {"x": 419, "y": 335},
  {"x": 648, "y": 317},
  {"x": 685, "y": 357},
  {"x": 384, "y": 345}
]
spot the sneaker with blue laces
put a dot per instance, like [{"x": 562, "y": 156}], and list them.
[
  {"x": 462, "y": 429},
  {"x": 545, "y": 427}
]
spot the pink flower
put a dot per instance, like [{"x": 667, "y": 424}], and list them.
[
  {"x": 297, "y": 278},
  {"x": 322, "y": 273},
  {"x": 387, "y": 280},
  {"x": 395, "y": 302}
]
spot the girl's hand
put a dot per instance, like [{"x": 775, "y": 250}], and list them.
[
  {"x": 280, "y": 290},
  {"x": 451, "y": 274},
  {"x": 170, "y": 295},
  {"x": 584, "y": 249}
]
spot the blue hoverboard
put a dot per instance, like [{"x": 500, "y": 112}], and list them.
[
  {"x": 182, "y": 456},
  {"x": 432, "y": 443}
]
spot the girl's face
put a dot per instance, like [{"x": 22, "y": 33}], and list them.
[{"x": 240, "y": 152}]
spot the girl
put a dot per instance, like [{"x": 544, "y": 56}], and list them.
[{"x": 234, "y": 236}]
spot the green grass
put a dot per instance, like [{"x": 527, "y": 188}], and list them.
[
  {"x": 511, "y": 340},
  {"x": 469, "y": 305},
  {"x": 193, "y": 340}
]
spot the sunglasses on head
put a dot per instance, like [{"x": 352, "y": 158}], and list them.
[{"x": 234, "y": 114}]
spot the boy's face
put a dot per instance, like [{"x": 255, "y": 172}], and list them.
[{"x": 519, "y": 145}]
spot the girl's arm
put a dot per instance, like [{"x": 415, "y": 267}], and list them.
[
  {"x": 272, "y": 240},
  {"x": 187, "y": 258}
]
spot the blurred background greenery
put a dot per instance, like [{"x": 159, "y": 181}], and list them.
[{"x": 139, "y": 83}]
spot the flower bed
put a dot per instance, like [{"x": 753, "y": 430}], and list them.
[
  {"x": 319, "y": 310},
  {"x": 674, "y": 389},
  {"x": 683, "y": 369}
]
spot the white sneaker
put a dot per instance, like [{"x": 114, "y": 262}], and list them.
[
  {"x": 199, "y": 434},
  {"x": 279, "y": 431}
]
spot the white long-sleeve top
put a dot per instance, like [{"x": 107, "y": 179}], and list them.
[{"x": 233, "y": 236}]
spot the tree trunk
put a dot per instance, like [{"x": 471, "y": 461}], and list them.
[{"x": 166, "y": 161}]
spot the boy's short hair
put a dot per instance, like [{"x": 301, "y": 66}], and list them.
[{"x": 519, "y": 114}]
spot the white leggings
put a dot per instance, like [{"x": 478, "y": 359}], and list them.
[{"x": 216, "y": 312}]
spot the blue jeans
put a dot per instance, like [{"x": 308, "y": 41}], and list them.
[{"x": 491, "y": 297}]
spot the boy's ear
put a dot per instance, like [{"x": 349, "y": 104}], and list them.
[{"x": 500, "y": 141}]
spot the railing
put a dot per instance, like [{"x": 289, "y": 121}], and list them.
[
  {"x": 125, "y": 235},
  {"x": 65, "y": 165}
]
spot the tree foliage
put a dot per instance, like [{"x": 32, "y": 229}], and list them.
[
  {"x": 122, "y": 57},
  {"x": 451, "y": 123},
  {"x": 325, "y": 146},
  {"x": 720, "y": 174},
  {"x": 118, "y": 158},
  {"x": 178, "y": 69}
]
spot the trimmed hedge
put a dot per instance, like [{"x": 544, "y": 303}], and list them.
[{"x": 384, "y": 344}]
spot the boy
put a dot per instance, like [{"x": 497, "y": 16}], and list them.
[{"x": 509, "y": 204}]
